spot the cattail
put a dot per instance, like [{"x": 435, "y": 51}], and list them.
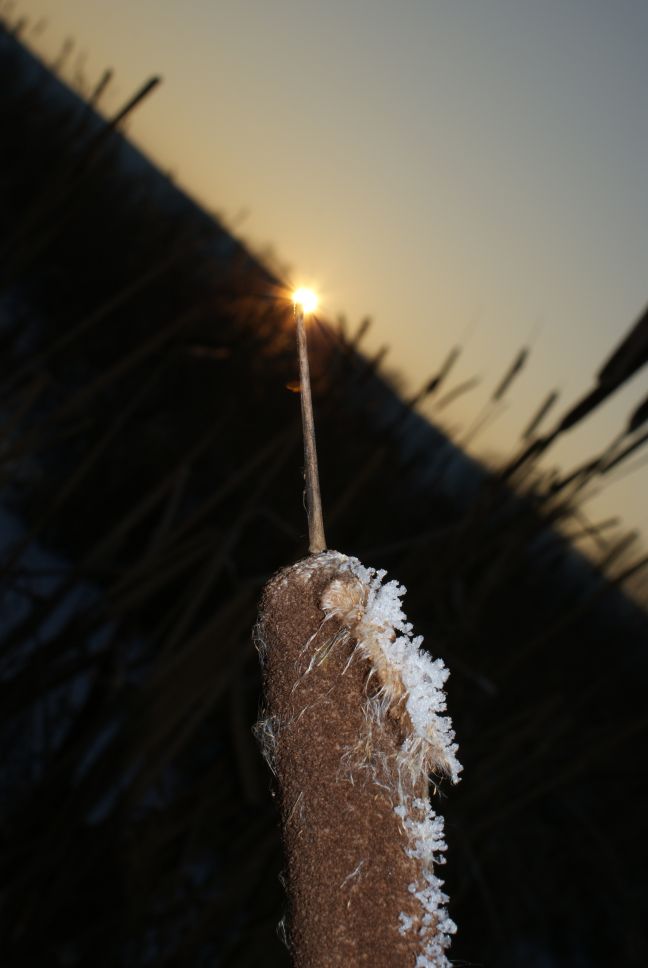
[
  {"x": 63, "y": 55},
  {"x": 491, "y": 410},
  {"x": 457, "y": 392},
  {"x": 353, "y": 726},
  {"x": 627, "y": 358},
  {"x": 638, "y": 417},
  {"x": 624, "y": 362},
  {"x": 100, "y": 87},
  {"x": 447, "y": 365},
  {"x": 140, "y": 95},
  {"x": 363, "y": 329},
  {"x": 516, "y": 367},
  {"x": 539, "y": 415},
  {"x": 626, "y": 452},
  {"x": 612, "y": 456},
  {"x": 434, "y": 383}
]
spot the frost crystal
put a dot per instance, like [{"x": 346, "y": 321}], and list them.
[
  {"x": 407, "y": 675},
  {"x": 428, "y": 845},
  {"x": 421, "y": 678}
]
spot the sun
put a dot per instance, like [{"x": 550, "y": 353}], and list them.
[{"x": 305, "y": 298}]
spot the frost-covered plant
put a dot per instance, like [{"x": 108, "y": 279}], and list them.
[{"x": 409, "y": 684}]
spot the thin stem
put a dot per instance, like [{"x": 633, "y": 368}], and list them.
[{"x": 316, "y": 538}]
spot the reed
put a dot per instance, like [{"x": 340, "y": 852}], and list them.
[{"x": 538, "y": 417}]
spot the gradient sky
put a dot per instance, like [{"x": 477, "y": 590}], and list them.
[{"x": 461, "y": 170}]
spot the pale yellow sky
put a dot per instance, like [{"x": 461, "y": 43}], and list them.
[{"x": 442, "y": 166}]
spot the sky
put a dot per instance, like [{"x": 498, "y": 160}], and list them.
[{"x": 463, "y": 171}]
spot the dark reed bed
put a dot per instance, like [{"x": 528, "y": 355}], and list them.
[{"x": 150, "y": 457}]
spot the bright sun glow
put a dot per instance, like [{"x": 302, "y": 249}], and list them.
[{"x": 305, "y": 298}]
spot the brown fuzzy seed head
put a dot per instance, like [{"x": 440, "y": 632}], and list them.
[{"x": 348, "y": 867}]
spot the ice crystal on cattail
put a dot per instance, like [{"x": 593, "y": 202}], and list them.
[
  {"x": 405, "y": 671},
  {"x": 407, "y": 677}
]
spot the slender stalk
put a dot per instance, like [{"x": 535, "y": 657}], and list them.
[
  {"x": 540, "y": 414},
  {"x": 316, "y": 537}
]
